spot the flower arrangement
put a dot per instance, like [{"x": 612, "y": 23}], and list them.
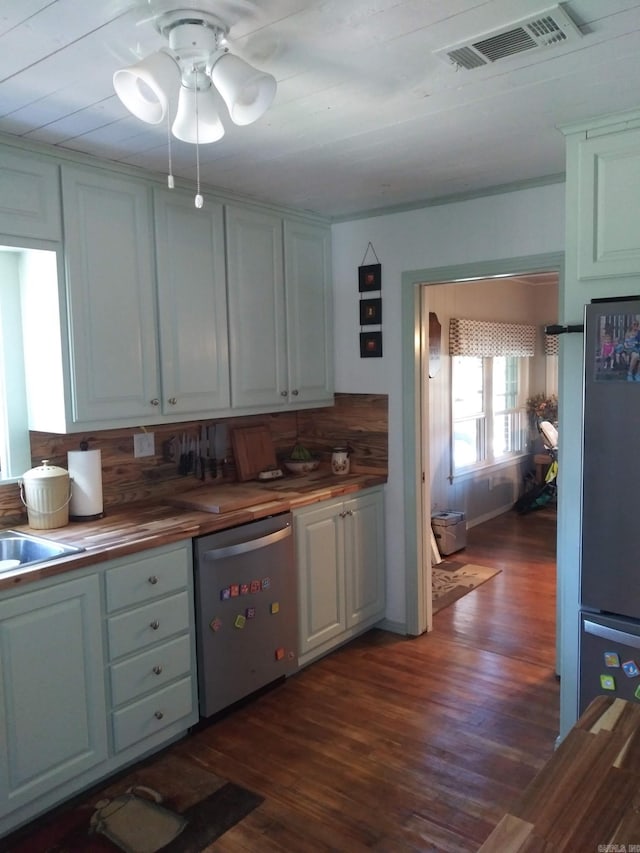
[{"x": 541, "y": 408}]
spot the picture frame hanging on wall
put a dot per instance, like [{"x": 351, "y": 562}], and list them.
[
  {"x": 371, "y": 312},
  {"x": 370, "y": 278},
  {"x": 370, "y": 344}
]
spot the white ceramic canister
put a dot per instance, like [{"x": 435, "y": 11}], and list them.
[
  {"x": 46, "y": 492},
  {"x": 340, "y": 460}
]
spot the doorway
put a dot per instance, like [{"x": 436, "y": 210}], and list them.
[{"x": 417, "y": 491}]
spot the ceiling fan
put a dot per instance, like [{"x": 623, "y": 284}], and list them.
[{"x": 177, "y": 83}]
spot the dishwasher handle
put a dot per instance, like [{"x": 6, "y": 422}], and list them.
[{"x": 250, "y": 545}]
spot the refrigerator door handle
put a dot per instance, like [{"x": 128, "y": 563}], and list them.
[{"x": 611, "y": 634}]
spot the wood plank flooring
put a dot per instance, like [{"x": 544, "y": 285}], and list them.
[{"x": 398, "y": 744}]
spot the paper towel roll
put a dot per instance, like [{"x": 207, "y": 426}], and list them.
[{"x": 85, "y": 470}]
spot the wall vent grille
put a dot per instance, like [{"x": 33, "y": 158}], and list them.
[{"x": 550, "y": 28}]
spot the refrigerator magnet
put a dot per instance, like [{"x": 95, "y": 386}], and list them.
[
  {"x": 607, "y": 682},
  {"x": 255, "y": 586},
  {"x": 250, "y": 613},
  {"x": 266, "y": 583},
  {"x": 280, "y": 654},
  {"x": 244, "y": 589},
  {"x": 225, "y": 594},
  {"x": 240, "y": 621},
  {"x": 630, "y": 669},
  {"x": 275, "y": 607},
  {"x": 215, "y": 624},
  {"x": 636, "y": 692},
  {"x": 611, "y": 659},
  {"x": 234, "y": 590}
]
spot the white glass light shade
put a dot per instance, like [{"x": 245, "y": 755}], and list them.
[
  {"x": 209, "y": 127},
  {"x": 247, "y": 92},
  {"x": 149, "y": 89}
]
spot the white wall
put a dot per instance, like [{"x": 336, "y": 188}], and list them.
[{"x": 521, "y": 223}]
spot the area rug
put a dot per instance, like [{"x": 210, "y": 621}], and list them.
[
  {"x": 169, "y": 804},
  {"x": 450, "y": 583}
]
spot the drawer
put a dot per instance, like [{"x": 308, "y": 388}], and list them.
[
  {"x": 136, "y": 629},
  {"x": 147, "y": 578},
  {"x": 152, "y": 669},
  {"x": 149, "y": 716}
]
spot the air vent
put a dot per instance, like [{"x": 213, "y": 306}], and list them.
[{"x": 550, "y": 28}]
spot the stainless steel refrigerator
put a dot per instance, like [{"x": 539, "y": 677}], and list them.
[{"x": 610, "y": 578}]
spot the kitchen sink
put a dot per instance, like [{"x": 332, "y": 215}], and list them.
[{"x": 24, "y": 549}]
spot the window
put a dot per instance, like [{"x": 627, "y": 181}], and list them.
[{"x": 488, "y": 411}]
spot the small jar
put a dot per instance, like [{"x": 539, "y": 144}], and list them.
[{"x": 340, "y": 460}]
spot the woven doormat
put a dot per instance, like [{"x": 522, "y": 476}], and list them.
[
  {"x": 449, "y": 584},
  {"x": 196, "y": 807}
]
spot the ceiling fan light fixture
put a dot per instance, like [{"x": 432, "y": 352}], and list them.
[
  {"x": 149, "y": 89},
  {"x": 197, "y": 119},
  {"x": 247, "y": 92}
]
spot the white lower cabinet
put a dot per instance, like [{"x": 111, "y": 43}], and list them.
[
  {"x": 52, "y": 697},
  {"x": 341, "y": 577},
  {"x": 150, "y": 630},
  {"x": 95, "y": 671}
]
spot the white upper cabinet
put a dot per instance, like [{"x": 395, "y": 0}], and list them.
[
  {"x": 110, "y": 289},
  {"x": 603, "y": 193},
  {"x": 192, "y": 304},
  {"x": 29, "y": 196},
  {"x": 279, "y": 310},
  {"x": 307, "y": 273}
]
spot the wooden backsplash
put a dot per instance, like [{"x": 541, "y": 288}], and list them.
[{"x": 357, "y": 420}]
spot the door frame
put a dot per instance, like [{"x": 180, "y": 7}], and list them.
[{"x": 414, "y": 454}]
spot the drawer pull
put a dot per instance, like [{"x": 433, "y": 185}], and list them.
[
  {"x": 155, "y": 625},
  {"x": 153, "y": 580},
  {"x": 158, "y": 715},
  {"x": 157, "y": 669}
]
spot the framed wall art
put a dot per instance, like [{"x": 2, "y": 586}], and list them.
[
  {"x": 371, "y": 312},
  {"x": 370, "y": 278},
  {"x": 370, "y": 344}
]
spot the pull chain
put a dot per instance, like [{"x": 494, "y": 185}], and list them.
[
  {"x": 170, "y": 181},
  {"x": 198, "y": 201}
]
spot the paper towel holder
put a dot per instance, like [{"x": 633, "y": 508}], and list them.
[{"x": 82, "y": 484}]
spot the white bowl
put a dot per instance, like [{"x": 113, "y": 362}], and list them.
[{"x": 301, "y": 466}]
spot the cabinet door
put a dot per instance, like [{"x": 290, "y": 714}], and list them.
[
  {"x": 321, "y": 580},
  {"x": 307, "y": 255},
  {"x": 364, "y": 557},
  {"x": 256, "y": 308},
  {"x": 194, "y": 353},
  {"x": 52, "y": 701},
  {"x": 29, "y": 196},
  {"x": 109, "y": 258},
  {"x": 608, "y": 206}
]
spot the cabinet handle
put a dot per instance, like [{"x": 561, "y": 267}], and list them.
[
  {"x": 153, "y": 580},
  {"x": 283, "y": 393},
  {"x": 342, "y": 514},
  {"x": 172, "y": 401},
  {"x": 155, "y": 402},
  {"x": 155, "y": 625},
  {"x": 295, "y": 392},
  {"x": 158, "y": 715},
  {"x": 349, "y": 512},
  {"x": 157, "y": 669}
]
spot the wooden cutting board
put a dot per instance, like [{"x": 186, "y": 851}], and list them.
[
  {"x": 253, "y": 451},
  {"x": 224, "y": 498}
]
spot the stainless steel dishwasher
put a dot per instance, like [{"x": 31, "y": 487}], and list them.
[{"x": 246, "y": 610}]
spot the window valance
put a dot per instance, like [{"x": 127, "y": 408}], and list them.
[
  {"x": 551, "y": 345},
  {"x": 479, "y": 338}
]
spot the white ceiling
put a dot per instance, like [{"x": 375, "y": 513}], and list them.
[{"x": 366, "y": 116}]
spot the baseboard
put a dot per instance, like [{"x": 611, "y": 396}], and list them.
[
  {"x": 392, "y": 627},
  {"x": 489, "y": 515}
]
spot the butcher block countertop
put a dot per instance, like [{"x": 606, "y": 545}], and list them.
[
  {"x": 131, "y": 528},
  {"x": 587, "y": 796}
]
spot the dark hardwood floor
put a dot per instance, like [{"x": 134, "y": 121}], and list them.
[
  {"x": 402, "y": 744},
  {"x": 397, "y": 744}
]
